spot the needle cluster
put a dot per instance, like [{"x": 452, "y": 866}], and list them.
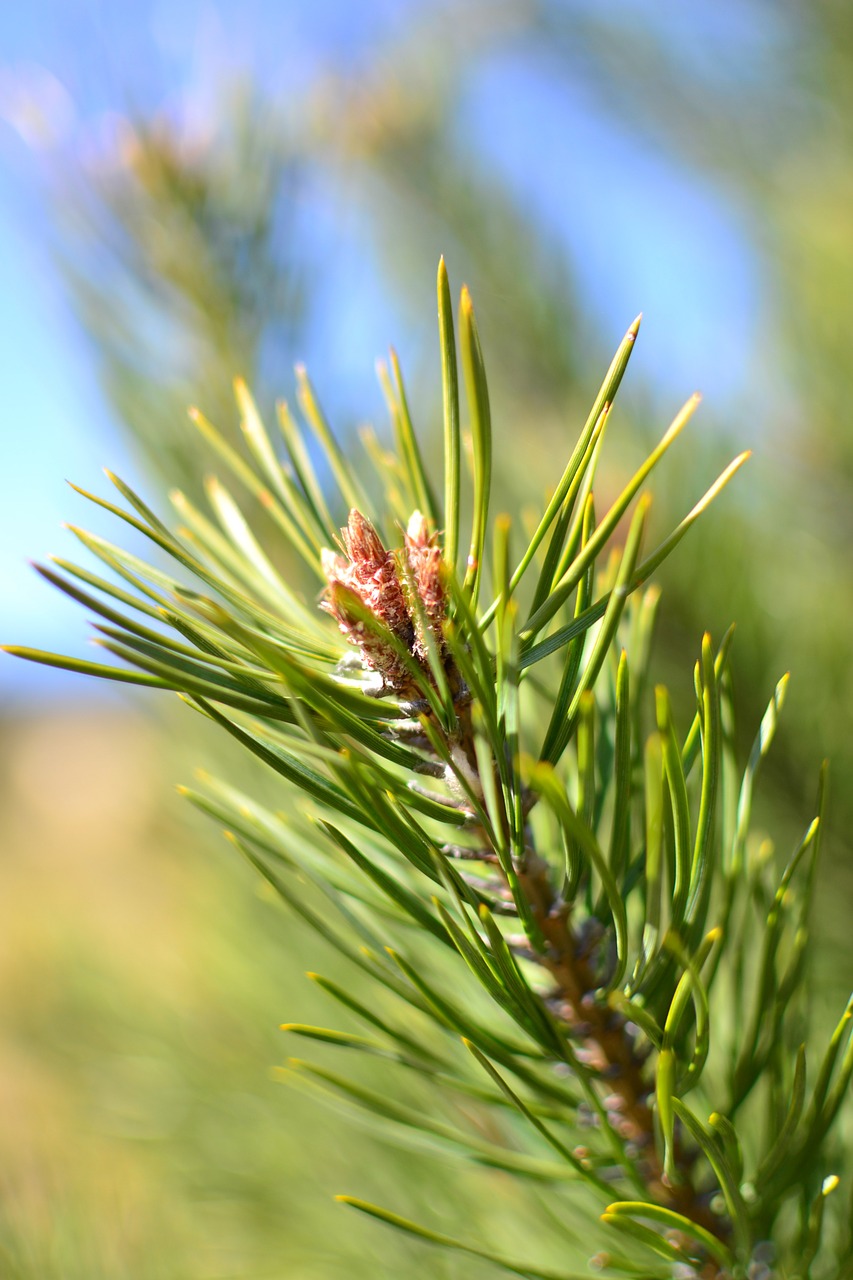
[{"x": 551, "y": 888}]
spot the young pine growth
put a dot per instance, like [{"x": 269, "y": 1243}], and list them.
[{"x": 486, "y": 810}]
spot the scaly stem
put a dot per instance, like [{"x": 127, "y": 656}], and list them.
[{"x": 606, "y": 1046}]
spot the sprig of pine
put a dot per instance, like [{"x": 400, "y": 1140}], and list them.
[{"x": 488, "y": 814}]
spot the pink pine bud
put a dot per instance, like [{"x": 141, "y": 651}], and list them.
[
  {"x": 424, "y": 556},
  {"x": 369, "y": 575},
  {"x": 363, "y": 544}
]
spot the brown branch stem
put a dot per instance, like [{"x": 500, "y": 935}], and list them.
[{"x": 609, "y": 1049}]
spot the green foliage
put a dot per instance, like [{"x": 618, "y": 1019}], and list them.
[{"x": 571, "y": 933}]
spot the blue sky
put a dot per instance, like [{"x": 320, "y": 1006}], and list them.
[{"x": 639, "y": 233}]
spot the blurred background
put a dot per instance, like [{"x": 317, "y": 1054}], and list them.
[{"x": 193, "y": 190}]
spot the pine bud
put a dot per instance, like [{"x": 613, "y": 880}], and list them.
[
  {"x": 424, "y": 557},
  {"x": 369, "y": 575}
]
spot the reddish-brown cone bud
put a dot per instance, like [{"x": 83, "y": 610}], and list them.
[
  {"x": 370, "y": 574},
  {"x": 424, "y": 557},
  {"x": 373, "y": 576},
  {"x": 363, "y": 544}
]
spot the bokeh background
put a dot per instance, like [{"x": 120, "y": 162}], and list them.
[{"x": 193, "y": 190}]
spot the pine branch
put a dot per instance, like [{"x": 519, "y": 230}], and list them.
[{"x": 572, "y": 912}]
